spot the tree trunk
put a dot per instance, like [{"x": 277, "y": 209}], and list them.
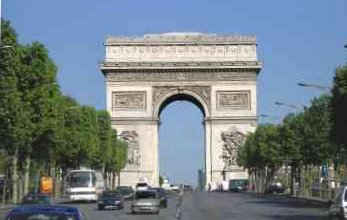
[
  {"x": 113, "y": 181},
  {"x": 118, "y": 174},
  {"x": 4, "y": 189},
  {"x": 14, "y": 176},
  {"x": 27, "y": 174}
]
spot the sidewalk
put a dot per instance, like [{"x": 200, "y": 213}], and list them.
[
  {"x": 311, "y": 199},
  {"x": 7, "y": 206},
  {"x": 315, "y": 200}
]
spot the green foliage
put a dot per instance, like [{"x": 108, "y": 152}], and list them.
[
  {"x": 261, "y": 148},
  {"x": 161, "y": 180},
  {"x": 338, "y": 132},
  {"x": 119, "y": 154},
  {"x": 105, "y": 137},
  {"x": 317, "y": 149}
]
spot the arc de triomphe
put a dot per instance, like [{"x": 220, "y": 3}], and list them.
[{"x": 217, "y": 73}]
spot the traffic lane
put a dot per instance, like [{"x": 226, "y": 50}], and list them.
[
  {"x": 200, "y": 205},
  {"x": 91, "y": 212}
]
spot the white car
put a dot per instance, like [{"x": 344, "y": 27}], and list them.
[
  {"x": 141, "y": 186},
  {"x": 338, "y": 207}
]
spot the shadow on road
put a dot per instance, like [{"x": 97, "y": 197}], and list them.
[
  {"x": 284, "y": 201},
  {"x": 295, "y": 217}
]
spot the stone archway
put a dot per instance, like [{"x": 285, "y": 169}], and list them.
[{"x": 216, "y": 73}]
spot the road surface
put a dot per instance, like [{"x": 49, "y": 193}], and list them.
[{"x": 217, "y": 206}]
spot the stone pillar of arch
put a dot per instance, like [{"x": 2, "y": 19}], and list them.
[{"x": 216, "y": 73}]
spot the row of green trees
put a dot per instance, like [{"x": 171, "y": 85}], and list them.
[
  {"x": 305, "y": 141},
  {"x": 41, "y": 130}
]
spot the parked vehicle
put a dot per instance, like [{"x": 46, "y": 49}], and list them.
[
  {"x": 338, "y": 207},
  {"x": 146, "y": 201},
  {"x": 126, "y": 191},
  {"x": 162, "y": 196},
  {"x": 110, "y": 200},
  {"x": 30, "y": 212},
  {"x": 37, "y": 198},
  {"x": 238, "y": 185}
]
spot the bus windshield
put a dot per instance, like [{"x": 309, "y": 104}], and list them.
[{"x": 82, "y": 179}]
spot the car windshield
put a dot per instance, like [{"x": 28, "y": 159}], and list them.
[
  {"x": 145, "y": 195},
  {"x": 124, "y": 190},
  {"x": 82, "y": 179},
  {"x": 36, "y": 199},
  {"x": 110, "y": 194},
  {"x": 142, "y": 185},
  {"x": 41, "y": 216}
]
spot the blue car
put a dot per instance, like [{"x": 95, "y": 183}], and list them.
[{"x": 47, "y": 212}]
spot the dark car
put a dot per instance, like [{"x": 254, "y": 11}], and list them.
[
  {"x": 29, "y": 212},
  {"x": 274, "y": 188},
  {"x": 238, "y": 185},
  {"x": 126, "y": 191},
  {"x": 37, "y": 198},
  {"x": 162, "y": 197},
  {"x": 110, "y": 199}
]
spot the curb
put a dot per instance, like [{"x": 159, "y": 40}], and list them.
[
  {"x": 311, "y": 200},
  {"x": 304, "y": 199},
  {"x": 2, "y": 207}
]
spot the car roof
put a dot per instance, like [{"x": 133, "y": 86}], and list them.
[{"x": 45, "y": 209}]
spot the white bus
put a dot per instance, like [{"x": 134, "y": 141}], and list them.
[{"x": 84, "y": 185}]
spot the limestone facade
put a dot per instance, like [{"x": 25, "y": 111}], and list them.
[{"x": 217, "y": 73}]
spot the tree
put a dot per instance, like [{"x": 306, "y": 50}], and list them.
[
  {"x": 15, "y": 123},
  {"x": 88, "y": 136},
  {"x": 39, "y": 90},
  {"x": 317, "y": 147},
  {"x": 338, "y": 133},
  {"x": 118, "y": 159},
  {"x": 105, "y": 138},
  {"x": 261, "y": 154}
]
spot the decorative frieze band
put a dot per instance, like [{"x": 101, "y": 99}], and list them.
[
  {"x": 129, "y": 100},
  {"x": 233, "y": 100},
  {"x": 167, "y": 76},
  {"x": 181, "y": 53}
]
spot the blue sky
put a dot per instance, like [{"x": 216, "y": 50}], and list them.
[{"x": 297, "y": 41}]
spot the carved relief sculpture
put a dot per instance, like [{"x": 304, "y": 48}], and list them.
[
  {"x": 227, "y": 100},
  {"x": 232, "y": 140},
  {"x": 132, "y": 100},
  {"x": 133, "y": 151}
]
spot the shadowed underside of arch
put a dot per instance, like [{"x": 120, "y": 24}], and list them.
[{"x": 181, "y": 97}]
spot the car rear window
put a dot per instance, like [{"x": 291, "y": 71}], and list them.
[
  {"x": 142, "y": 184},
  {"x": 41, "y": 216},
  {"x": 145, "y": 195}
]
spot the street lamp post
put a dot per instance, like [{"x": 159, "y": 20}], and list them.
[
  {"x": 319, "y": 87},
  {"x": 288, "y": 105}
]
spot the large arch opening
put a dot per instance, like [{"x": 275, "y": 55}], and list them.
[{"x": 182, "y": 140}]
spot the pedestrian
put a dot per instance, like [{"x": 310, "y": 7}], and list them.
[{"x": 209, "y": 189}]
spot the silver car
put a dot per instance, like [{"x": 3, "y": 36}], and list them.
[
  {"x": 338, "y": 207},
  {"x": 145, "y": 201}
]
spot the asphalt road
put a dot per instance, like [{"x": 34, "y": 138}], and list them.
[
  {"x": 217, "y": 206},
  {"x": 249, "y": 206}
]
